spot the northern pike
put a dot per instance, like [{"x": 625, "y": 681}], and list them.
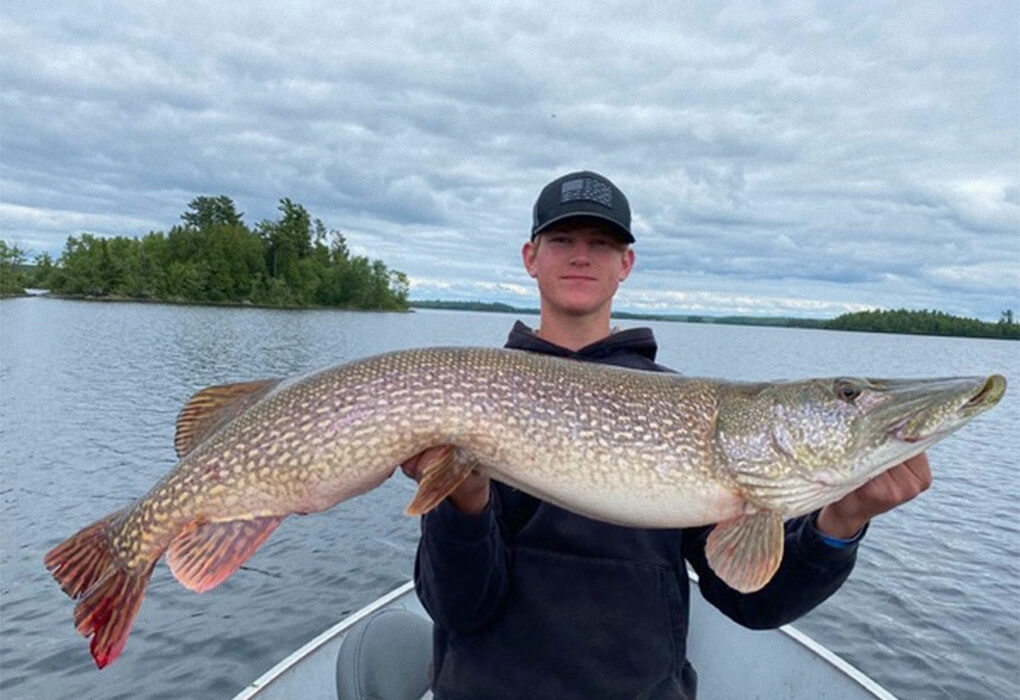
[{"x": 634, "y": 448}]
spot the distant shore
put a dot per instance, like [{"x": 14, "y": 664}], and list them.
[
  {"x": 627, "y": 315},
  {"x": 243, "y": 304},
  {"x": 901, "y": 321}
]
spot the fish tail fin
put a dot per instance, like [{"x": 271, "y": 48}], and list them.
[
  {"x": 86, "y": 568},
  {"x": 108, "y": 609},
  {"x": 206, "y": 552},
  {"x": 82, "y": 559}
]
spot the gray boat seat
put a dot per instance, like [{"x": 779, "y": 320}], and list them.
[{"x": 386, "y": 656}]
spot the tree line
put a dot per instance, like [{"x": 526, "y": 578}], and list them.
[
  {"x": 926, "y": 322},
  {"x": 213, "y": 257},
  {"x": 14, "y": 274}
]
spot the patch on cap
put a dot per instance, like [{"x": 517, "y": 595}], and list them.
[{"x": 586, "y": 189}]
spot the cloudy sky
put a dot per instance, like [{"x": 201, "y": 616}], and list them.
[{"x": 781, "y": 158}]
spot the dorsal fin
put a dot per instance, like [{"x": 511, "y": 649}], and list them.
[{"x": 213, "y": 407}]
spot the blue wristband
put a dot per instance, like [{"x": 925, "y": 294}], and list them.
[{"x": 837, "y": 542}]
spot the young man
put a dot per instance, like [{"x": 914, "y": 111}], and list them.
[{"x": 532, "y": 601}]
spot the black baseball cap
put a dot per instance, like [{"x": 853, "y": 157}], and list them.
[{"x": 582, "y": 194}]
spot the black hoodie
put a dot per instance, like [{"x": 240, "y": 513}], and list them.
[{"x": 532, "y": 601}]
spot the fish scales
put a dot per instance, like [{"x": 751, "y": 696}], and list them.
[
  {"x": 382, "y": 412},
  {"x": 624, "y": 446}
]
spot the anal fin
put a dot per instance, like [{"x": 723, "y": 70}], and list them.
[
  {"x": 746, "y": 551},
  {"x": 206, "y": 553},
  {"x": 443, "y": 469}
]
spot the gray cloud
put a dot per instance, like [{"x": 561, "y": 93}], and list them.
[{"x": 779, "y": 158}]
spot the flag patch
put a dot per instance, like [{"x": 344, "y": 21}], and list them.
[{"x": 586, "y": 189}]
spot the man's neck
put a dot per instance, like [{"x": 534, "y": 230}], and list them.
[{"x": 573, "y": 332}]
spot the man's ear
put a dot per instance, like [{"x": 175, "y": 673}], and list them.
[
  {"x": 528, "y": 251},
  {"x": 628, "y": 263}
]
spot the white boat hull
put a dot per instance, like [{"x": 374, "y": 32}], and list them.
[{"x": 732, "y": 662}]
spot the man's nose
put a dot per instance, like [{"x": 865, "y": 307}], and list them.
[{"x": 580, "y": 253}]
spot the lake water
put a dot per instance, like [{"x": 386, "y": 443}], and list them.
[{"x": 89, "y": 396}]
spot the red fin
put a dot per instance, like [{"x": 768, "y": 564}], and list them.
[
  {"x": 81, "y": 560},
  {"x": 109, "y": 608},
  {"x": 84, "y": 566},
  {"x": 746, "y": 551},
  {"x": 213, "y": 407},
  {"x": 443, "y": 470},
  {"x": 206, "y": 553}
]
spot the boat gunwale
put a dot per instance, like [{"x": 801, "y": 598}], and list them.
[{"x": 320, "y": 640}]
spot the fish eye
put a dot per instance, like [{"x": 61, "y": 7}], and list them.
[{"x": 847, "y": 390}]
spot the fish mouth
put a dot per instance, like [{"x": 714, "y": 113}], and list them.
[
  {"x": 988, "y": 395},
  {"x": 955, "y": 407}
]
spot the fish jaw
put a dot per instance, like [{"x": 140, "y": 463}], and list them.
[
  {"x": 916, "y": 415},
  {"x": 964, "y": 399},
  {"x": 933, "y": 412},
  {"x": 826, "y": 437}
]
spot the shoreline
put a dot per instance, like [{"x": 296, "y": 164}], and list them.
[
  {"x": 765, "y": 321},
  {"x": 116, "y": 299},
  {"x": 495, "y": 307}
]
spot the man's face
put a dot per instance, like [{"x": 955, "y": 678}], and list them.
[{"x": 578, "y": 266}]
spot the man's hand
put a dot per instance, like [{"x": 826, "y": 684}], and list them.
[
  {"x": 847, "y": 516},
  {"x": 470, "y": 497}
]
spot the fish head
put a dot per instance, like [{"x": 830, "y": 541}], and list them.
[{"x": 796, "y": 446}]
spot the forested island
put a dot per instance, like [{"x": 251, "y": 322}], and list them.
[
  {"x": 214, "y": 257},
  {"x": 926, "y": 323}
]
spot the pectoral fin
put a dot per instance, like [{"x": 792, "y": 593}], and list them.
[
  {"x": 443, "y": 469},
  {"x": 745, "y": 552}
]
